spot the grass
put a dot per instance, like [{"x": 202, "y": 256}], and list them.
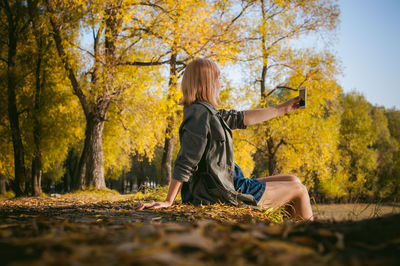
[
  {"x": 94, "y": 191},
  {"x": 93, "y": 194},
  {"x": 7, "y": 195},
  {"x": 153, "y": 194},
  {"x": 354, "y": 211},
  {"x": 221, "y": 212}
]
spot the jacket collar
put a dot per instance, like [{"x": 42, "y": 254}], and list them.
[{"x": 208, "y": 106}]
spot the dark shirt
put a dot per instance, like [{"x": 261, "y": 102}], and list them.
[{"x": 205, "y": 162}]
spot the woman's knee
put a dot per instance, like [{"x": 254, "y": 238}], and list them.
[
  {"x": 294, "y": 178},
  {"x": 301, "y": 190}
]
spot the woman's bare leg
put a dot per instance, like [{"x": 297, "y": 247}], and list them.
[
  {"x": 274, "y": 178},
  {"x": 279, "y": 193}
]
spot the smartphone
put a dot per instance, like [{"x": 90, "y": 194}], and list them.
[{"x": 303, "y": 97}]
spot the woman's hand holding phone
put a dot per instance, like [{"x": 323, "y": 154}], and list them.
[{"x": 291, "y": 105}]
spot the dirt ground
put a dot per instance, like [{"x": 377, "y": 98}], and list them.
[
  {"x": 358, "y": 211},
  {"x": 91, "y": 231}
]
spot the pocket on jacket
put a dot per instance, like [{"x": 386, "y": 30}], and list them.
[{"x": 220, "y": 149}]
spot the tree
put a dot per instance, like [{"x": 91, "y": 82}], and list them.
[
  {"x": 42, "y": 44},
  {"x": 41, "y": 98},
  {"x": 105, "y": 83},
  {"x": 303, "y": 143},
  {"x": 386, "y": 147},
  {"x": 391, "y": 181},
  {"x": 6, "y": 148},
  {"x": 274, "y": 25},
  {"x": 95, "y": 103},
  {"x": 16, "y": 22},
  {"x": 357, "y": 137}
]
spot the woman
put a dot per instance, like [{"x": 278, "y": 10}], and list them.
[{"x": 205, "y": 168}]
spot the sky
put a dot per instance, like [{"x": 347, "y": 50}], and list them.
[{"x": 368, "y": 46}]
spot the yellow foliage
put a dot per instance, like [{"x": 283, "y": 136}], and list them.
[{"x": 244, "y": 151}]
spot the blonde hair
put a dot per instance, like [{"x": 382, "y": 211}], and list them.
[{"x": 200, "y": 82}]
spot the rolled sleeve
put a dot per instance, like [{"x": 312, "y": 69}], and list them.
[
  {"x": 234, "y": 119},
  {"x": 193, "y": 137}
]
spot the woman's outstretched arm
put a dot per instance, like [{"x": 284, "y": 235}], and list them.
[
  {"x": 255, "y": 116},
  {"x": 174, "y": 187}
]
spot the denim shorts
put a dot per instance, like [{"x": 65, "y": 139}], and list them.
[{"x": 247, "y": 185}]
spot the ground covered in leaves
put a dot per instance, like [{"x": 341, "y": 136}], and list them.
[{"x": 104, "y": 229}]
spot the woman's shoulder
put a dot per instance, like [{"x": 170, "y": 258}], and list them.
[
  {"x": 195, "y": 111},
  {"x": 198, "y": 114},
  {"x": 202, "y": 107}
]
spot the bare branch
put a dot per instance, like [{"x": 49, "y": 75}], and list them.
[
  {"x": 280, "y": 87},
  {"x": 152, "y": 61},
  {"x": 137, "y": 63},
  {"x": 238, "y": 16},
  {"x": 154, "y": 5},
  {"x": 281, "y": 64},
  {"x": 224, "y": 31},
  {"x": 87, "y": 51},
  {"x": 128, "y": 47},
  {"x": 286, "y": 87},
  {"x": 308, "y": 77}
]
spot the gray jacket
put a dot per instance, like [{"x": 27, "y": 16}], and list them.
[{"x": 205, "y": 160}]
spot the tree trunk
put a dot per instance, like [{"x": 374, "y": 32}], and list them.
[
  {"x": 91, "y": 164},
  {"x": 166, "y": 166},
  {"x": 3, "y": 189},
  {"x": 271, "y": 157},
  {"x": 169, "y": 142},
  {"x": 37, "y": 173},
  {"x": 67, "y": 182},
  {"x": 19, "y": 184},
  {"x": 71, "y": 165},
  {"x": 316, "y": 183},
  {"x": 121, "y": 181},
  {"x": 263, "y": 99},
  {"x": 37, "y": 176},
  {"x": 264, "y": 58},
  {"x": 140, "y": 182},
  {"x": 37, "y": 129}
]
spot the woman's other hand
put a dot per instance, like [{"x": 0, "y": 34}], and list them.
[
  {"x": 154, "y": 205},
  {"x": 291, "y": 105},
  {"x": 173, "y": 189}
]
